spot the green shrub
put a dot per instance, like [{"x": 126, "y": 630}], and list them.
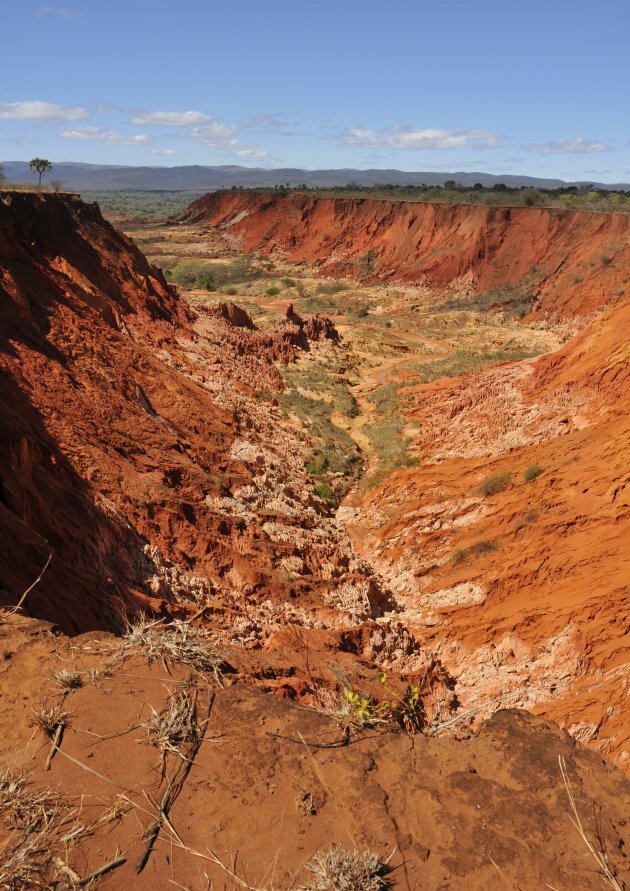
[
  {"x": 331, "y": 287},
  {"x": 367, "y": 263},
  {"x": 532, "y": 472},
  {"x": 323, "y": 492},
  {"x": 495, "y": 483},
  {"x": 272, "y": 291},
  {"x": 288, "y": 282}
]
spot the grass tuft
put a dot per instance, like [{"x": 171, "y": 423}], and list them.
[
  {"x": 50, "y": 718},
  {"x": 341, "y": 870},
  {"x": 494, "y": 484},
  {"x": 68, "y": 679},
  {"x": 175, "y": 643},
  {"x": 174, "y": 727}
]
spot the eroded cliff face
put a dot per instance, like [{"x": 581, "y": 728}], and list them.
[
  {"x": 133, "y": 446},
  {"x": 567, "y": 263},
  {"x": 507, "y": 548}
]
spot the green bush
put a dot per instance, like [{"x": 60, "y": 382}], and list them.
[
  {"x": 324, "y": 492},
  {"x": 272, "y": 291},
  {"x": 532, "y": 472},
  {"x": 495, "y": 483}
]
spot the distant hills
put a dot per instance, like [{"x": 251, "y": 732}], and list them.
[{"x": 196, "y": 178}]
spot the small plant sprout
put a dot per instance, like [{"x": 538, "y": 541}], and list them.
[{"x": 405, "y": 709}]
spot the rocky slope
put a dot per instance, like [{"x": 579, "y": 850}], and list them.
[
  {"x": 509, "y": 545},
  {"x": 133, "y": 445},
  {"x": 136, "y": 448},
  {"x": 568, "y": 263},
  {"x": 507, "y": 548}
]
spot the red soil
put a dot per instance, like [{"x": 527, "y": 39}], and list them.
[
  {"x": 572, "y": 262},
  {"x": 134, "y": 444},
  {"x": 546, "y": 562},
  {"x": 483, "y": 813},
  {"x": 129, "y": 428}
]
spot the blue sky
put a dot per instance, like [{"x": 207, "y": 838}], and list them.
[{"x": 538, "y": 88}]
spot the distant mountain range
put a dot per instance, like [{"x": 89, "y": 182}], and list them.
[{"x": 195, "y": 178}]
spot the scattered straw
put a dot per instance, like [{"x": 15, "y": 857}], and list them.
[{"x": 20, "y": 602}]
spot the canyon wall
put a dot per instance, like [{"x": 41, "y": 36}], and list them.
[
  {"x": 133, "y": 447},
  {"x": 566, "y": 263}
]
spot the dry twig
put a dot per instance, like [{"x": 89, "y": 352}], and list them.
[{"x": 599, "y": 856}]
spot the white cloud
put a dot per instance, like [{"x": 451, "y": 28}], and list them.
[
  {"x": 398, "y": 137},
  {"x": 576, "y": 146},
  {"x": 112, "y": 137},
  {"x": 62, "y": 13},
  {"x": 170, "y": 118},
  {"x": 216, "y": 135},
  {"x": 168, "y": 153},
  {"x": 250, "y": 153},
  {"x": 40, "y": 111}
]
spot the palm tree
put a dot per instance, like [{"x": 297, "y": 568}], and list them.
[{"x": 40, "y": 166}]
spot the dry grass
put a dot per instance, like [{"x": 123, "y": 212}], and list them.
[
  {"x": 341, "y": 870},
  {"x": 175, "y": 643},
  {"x": 174, "y": 727},
  {"x": 50, "y": 718},
  {"x": 600, "y": 855},
  {"x": 32, "y": 822},
  {"x": 68, "y": 679}
]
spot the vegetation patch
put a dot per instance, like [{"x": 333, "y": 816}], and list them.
[
  {"x": 494, "y": 484},
  {"x": 334, "y": 452},
  {"x": 209, "y": 275},
  {"x": 459, "y": 363},
  {"x": 531, "y": 472},
  {"x": 386, "y": 434},
  {"x": 155, "y": 205}
]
